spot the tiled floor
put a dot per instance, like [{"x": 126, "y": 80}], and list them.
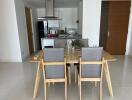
[{"x": 17, "y": 81}]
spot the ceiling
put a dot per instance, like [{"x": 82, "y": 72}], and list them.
[
  {"x": 60, "y": 3},
  {"x": 57, "y": 3}
]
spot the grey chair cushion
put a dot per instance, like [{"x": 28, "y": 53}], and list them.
[
  {"x": 54, "y": 55},
  {"x": 60, "y": 43},
  {"x": 91, "y": 71},
  {"x": 91, "y": 54},
  {"x": 56, "y": 71}
]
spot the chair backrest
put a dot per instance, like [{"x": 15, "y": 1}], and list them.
[
  {"x": 54, "y": 55},
  {"x": 90, "y": 55},
  {"x": 60, "y": 43}
]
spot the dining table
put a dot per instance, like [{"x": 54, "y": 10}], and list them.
[{"x": 71, "y": 57}]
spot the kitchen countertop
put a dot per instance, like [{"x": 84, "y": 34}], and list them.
[{"x": 75, "y": 36}]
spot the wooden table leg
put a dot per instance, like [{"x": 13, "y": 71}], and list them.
[
  {"x": 107, "y": 73},
  {"x": 38, "y": 75}
]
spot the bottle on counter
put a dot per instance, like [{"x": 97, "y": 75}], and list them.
[{"x": 65, "y": 30}]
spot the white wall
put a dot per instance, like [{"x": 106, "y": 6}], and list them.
[
  {"x": 69, "y": 16},
  {"x": 41, "y": 12},
  {"x": 80, "y": 17},
  {"x": 9, "y": 38},
  {"x": 129, "y": 37},
  {"x": 91, "y": 21},
  {"x": 22, "y": 28}
]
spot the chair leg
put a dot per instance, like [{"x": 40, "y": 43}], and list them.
[
  {"x": 78, "y": 80},
  {"x": 95, "y": 84},
  {"x": 45, "y": 87},
  {"x": 75, "y": 75},
  {"x": 45, "y": 91},
  {"x": 101, "y": 90},
  {"x": 69, "y": 75},
  {"x": 66, "y": 89},
  {"x": 49, "y": 84},
  {"x": 53, "y": 83},
  {"x": 80, "y": 89}
]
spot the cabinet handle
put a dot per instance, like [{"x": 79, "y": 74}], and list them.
[{"x": 108, "y": 34}]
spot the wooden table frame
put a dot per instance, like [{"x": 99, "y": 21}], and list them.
[{"x": 72, "y": 59}]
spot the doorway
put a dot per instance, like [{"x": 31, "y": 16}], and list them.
[
  {"x": 114, "y": 26},
  {"x": 29, "y": 30}
]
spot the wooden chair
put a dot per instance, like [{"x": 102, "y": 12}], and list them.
[
  {"x": 61, "y": 43},
  {"x": 54, "y": 69},
  {"x": 91, "y": 67}
]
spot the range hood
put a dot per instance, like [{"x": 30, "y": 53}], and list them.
[{"x": 49, "y": 11}]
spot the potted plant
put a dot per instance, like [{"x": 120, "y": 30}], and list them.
[{"x": 77, "y": 44}]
